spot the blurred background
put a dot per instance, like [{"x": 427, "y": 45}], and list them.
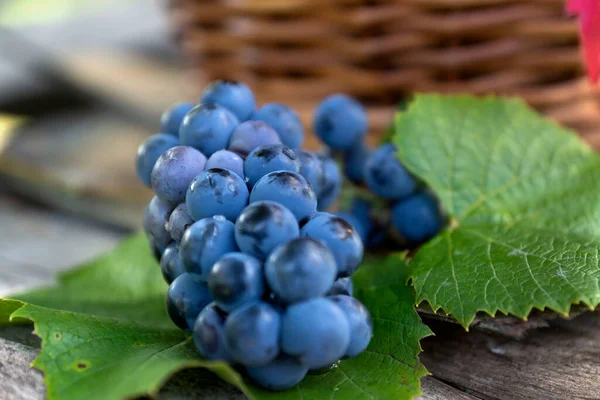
[{"x": 83, "y": 82}]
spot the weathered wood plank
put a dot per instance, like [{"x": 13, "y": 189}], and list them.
[
  {"x": 35, "y": 243},
  {"x": 560, "y": 362},
  {"x": 434, "y": 389},
  {"x": 17, "y": 380}
]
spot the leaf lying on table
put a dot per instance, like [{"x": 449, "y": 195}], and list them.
[
  {"x": 105, "y": 334},
  {"x": 522, "y": 194}
]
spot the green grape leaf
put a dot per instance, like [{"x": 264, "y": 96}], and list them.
[
  {"x": 521, "y": 194},
  {"x": 105, "y": 334}
]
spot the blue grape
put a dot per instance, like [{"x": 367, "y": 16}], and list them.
[
  {"x": 179, "y": 222},
  {"x": 252, "y": 334},
  {"x": 208, "y": 333},
  {"x": 342, "y": 286},
  {"x": 418, "y": 217},
  {"x": 311, "y": 168},
  {"x": 282, "y": 373},
  {"x": 236, "y": 279},
  {"x": 269, "y": 158},
  {"x": 217, "y": 191},
  {"x": 208, "y": 127},
  {"x": 249, "y": 135},
  {"x": 264, "y": 225},
  {"x": 156, "y": 216},
  {"x": 170, "y": 264},
  {"x": 284, "y": 120},
  {"x": 354, "y": 161},
  {"x": 148, "y": 153},
  {"x": 235, "y": 96},
  {"x": 340, "y": 121},
  {"x": 171, "y": 119},
  {"x": 357, "y": 223},
  {"x": 300, "y": 269},
  {"x": 228, "y": 160},
  {"x": 204, "y": 243},
  {"x": 341, "y": 238},
  {"x": 385, "y": 176},
  {"x": 359, "y": 322},
  {"x": 174, "y": 171},
  {"x": 315, "y": 331},
  {"x": 187, "y": 296},
  {"x": 331, "y": 184},
  {"x": 290, "y": 190}
]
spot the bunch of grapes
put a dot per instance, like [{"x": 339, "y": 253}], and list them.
[
  {"x": 257, "y": 271},
  {"x": 396, "y": 203}
]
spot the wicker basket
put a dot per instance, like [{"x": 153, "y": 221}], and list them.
[{"x": 297, "y": 51}]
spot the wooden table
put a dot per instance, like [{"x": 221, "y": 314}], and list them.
[{"x": 560, "y": 362}]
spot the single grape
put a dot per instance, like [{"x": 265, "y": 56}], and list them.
[
  {"x": 385, "y": 176},
  {"x": 228, "y": 160},
  {"x": 187, "y": 296},
  {"x": 170, "y": 264},
  {"x": 204, "y": 243},
  {"x": 418, "y": 217},
  {"x": 252, "y": 334},
  {"x": 315, "y": 331},
  {"x": 359, "y": 322},
  {"x": 207, "y": 127},
  {"x": 264, "y": 225},
  {"x": 331, "y": 184},
  {"x": 173, "y": 172},
  {"x": 148, "y": 153},
  {"x": 236, "y": 279},
  {"x": 269, "y": 158},
  {"x": 311, "y": 168},
  {"x": 249, "y": 135},
  {"x": 342, "y": 286},
  {"x": 290, "y": 190},
  {"x": 340, "y": 121},
  {"x": 341, "y": 238},
  {"x": 156, "y": 216},
  {"x": 217, "y": 191},
  {"x": 170, "y": 121},
  {"x": 208, "y": 333},
  {"x": 235, "y": 96},
  {"x": 284, "y": 120},
  {"x": 179, "y": 222},
  {"x": 300, "y": 269},
  {"x": 354, "y": 161},
  {"x": 282, "y": 373}
]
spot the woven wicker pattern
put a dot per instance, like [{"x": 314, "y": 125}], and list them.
[{"x": 297, "y": 51}]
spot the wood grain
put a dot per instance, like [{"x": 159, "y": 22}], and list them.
[
  {"x": 36, "y": 243},
  {"x": 560, "y": 362},
  {"x": 434, "y": 389}
]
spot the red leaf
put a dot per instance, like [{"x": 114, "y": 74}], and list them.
[{"x": 589, "y": 19}]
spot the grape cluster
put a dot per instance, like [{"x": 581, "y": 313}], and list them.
[
  {"x": 410, "y": 212},
  {"x": 257, "y": 271}
]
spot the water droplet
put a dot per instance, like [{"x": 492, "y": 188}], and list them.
[{"x": 231, "y": 187}]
